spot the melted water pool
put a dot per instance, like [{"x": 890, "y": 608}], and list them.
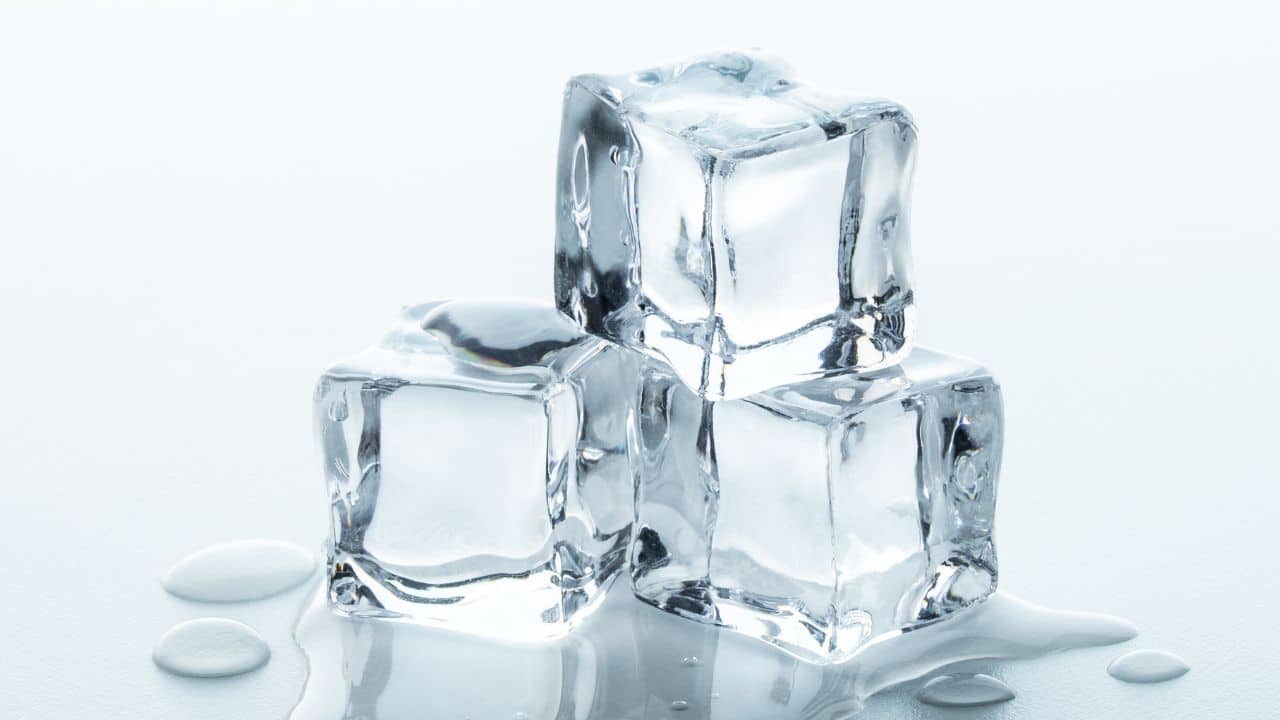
[{"x": 631, "y": 662}]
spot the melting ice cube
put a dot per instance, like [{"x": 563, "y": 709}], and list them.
[
  {"x": 477, "y": 461},
  {"x": 748, "y": 229},
  {"x": 820, "y": 515}
]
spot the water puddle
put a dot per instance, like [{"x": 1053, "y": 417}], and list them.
[
  {"x": 1147, "y": 666},
  {"x": 963, "y": 690},
  {"x": 629, "y": 661},
  {"x": 210, "y": 647},
  {"x": 239, "y": 571}
]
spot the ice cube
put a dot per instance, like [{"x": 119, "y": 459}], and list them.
[
  {"x": 820, "y": 515},
  {"x": 748, "y": 229},
  {"x": 477, "y": 461}
]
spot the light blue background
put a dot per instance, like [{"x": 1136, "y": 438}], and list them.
[{"x": 200, "y": 208}]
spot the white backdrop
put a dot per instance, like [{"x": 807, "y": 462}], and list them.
[{"x": 200, "y": 207}]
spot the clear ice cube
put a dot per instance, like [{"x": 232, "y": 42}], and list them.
[
  {"x": 477, "y": 462},
  {"x": 749, "y": 230},
  {"x": 820, "y": 515}
]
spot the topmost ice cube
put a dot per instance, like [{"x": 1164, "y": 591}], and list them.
[{"x": 749, "y": 230}]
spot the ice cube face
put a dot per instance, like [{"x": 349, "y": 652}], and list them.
[
  {"x": 820, "y": 515},
  {"x": 477, "y": 462},
  {"x": 747, "y": 229}
]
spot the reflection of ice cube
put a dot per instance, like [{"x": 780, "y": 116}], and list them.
[
  {"x": 477, "y": 463},
  {"x": 750, "y": 230},
  {"x": 822, "y": 514}
]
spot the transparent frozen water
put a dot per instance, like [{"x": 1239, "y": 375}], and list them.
[
  {"x": 820, "y": 515},
  {"x": 748, "y": 229},
  {"x": 477, "y": 463}
]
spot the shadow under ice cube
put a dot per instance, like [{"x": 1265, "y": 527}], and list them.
[
  {"x": 820, "y": 515},
  {"x": 477, "y": 462},
  {"x": 749, "y": 230}
]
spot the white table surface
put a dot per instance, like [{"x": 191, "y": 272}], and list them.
[{"x": 200, "y": 208}]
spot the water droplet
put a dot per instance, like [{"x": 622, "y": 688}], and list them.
[
  {"x": 591, "y": 454},
  {"x": 520, "y": 716},
  {"x": 680, "y": 705},
  {"x": 241, "y": 570},
  {"x": 210, "y": 647},
  {"x": 1148, "y": 666},
  {"x": 690, "y": 661},
  {"x": 963, "y": 690}
]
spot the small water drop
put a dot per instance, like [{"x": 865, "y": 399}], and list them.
[
  {"x": 240, "y": 570},
  {"x": 690, "y": 661},
  {"x": 1147, "y": 666},
  {"x": 964, "y": 690},
  {"x": 680, "y": 705},
  {"x": 210, "y": 647},
  {"x": 520, "y": 716}
]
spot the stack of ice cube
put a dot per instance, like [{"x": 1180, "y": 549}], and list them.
[{"x": 723, "y": 402}]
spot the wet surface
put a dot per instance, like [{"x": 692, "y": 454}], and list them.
[{"x": 629, "y": 661}]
